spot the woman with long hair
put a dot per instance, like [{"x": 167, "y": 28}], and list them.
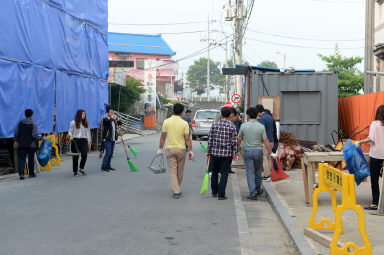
[
  {"x": 376, "y": 154},
  {"x": 80, "y": 137}
]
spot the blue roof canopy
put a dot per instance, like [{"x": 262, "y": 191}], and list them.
[
  {"x": 243, "y": 69},
  {"x": 139, "y": 43}
]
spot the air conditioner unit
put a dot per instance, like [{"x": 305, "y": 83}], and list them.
[{"x": 229, "y": 12}]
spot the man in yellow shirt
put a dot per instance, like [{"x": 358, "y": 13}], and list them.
[{"x": 176, "y": 132}]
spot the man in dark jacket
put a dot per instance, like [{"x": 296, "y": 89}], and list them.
[
  {"x": 26, "y": 137},
  {"x": 110, "y": 136}
]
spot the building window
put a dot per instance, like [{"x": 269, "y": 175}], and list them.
[
  {"x": 300, "y": 107},
  {"x": 140, "y": 63}
]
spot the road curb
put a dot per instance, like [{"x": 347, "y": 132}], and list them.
[
  {"x": 143, "y": 135},
  {"x": 289, "y": 224}
]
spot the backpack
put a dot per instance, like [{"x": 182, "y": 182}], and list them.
[{"x": 25, "y": 135}]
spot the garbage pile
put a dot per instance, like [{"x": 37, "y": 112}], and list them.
[{"x": 290, "y": 152}]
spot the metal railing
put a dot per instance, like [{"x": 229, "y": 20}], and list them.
[{"x": 129, "y": 124}]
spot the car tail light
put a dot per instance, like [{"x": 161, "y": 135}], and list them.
[{"x": 193, "y": 123}]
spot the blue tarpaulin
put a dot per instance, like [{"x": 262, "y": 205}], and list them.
[
  {"x": 68, "y": 100},
  {"x": 47, "y": 44},
  {"x": 25, "y": 86},
  {"x": 94, "y": 12},
  {"x": 35, "y": 32}
]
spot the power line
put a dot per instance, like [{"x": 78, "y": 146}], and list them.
[
  {"x": 155, "y": 24},
  {"x": 338, "y": 2},
  {"x": 301, "y": 46},
  {"x": 199, "y": 52},
  {"x": 185, "y": 32},
  {"x": 301, "y": 38},
  {"x": 306, "y": 39}
]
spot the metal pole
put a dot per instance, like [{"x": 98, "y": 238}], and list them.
[
  {"x": 208, "y": 71},
  {"x": 369, "y": 42},
  {"x": 380, "y": 210},
  {"x": 239, "y": 41},
  {"x": 118, "y": 106},
  {"x": 226, "y": 77}
]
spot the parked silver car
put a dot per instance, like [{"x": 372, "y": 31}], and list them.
[{"x": 203, "y": 121}]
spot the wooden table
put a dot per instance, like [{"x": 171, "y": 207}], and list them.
[{"x": 308, "y": 165}]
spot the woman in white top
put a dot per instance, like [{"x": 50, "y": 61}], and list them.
[
  {"x": 376, "y": 154},
  {"x": 80, "y": 137}
]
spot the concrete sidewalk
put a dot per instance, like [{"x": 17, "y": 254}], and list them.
[
  {"x": 291, "y": 194},
  {"x": 143, "y": 133}
]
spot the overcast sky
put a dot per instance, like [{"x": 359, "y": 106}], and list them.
[{"x": 322, "y": 23}]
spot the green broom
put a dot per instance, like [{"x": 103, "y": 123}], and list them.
[
  {"x": 133, "y": 150},
  {"x": 130, "y": 163},
  {"x": 203, "y": 148},
  {"x": 204, "y": 186},
  {"x": 132, "y": 166}
]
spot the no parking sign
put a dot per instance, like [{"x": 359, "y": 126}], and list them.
[{"x": 236, "y": 98}]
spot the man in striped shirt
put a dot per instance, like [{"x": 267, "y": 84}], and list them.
[{"x": 222, "y": 148}]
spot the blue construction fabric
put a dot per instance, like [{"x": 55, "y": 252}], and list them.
[
  {"x": 25, "y": 86},
  {"x": 355, "y": 161},
  {"x": 75, "y": 92},
  {"x": 94, "y": 12},
  {"x": 139, "y": 43},
  {"x": 38, "y": 32}
]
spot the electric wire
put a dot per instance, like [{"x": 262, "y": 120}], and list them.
[
  {"x": 199, "y": 52},
  {"x": 302, "y": 46},
  {"x": 305, "y": 39},
  {"x": 155, "y": 24}
]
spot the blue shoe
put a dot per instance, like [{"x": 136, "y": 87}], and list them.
[{"x": 176, "y": 196}]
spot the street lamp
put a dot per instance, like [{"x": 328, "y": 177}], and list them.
[{"x": 284, "y": 56}]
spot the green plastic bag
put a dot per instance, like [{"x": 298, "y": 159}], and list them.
[{"x": 204, "y": 186}]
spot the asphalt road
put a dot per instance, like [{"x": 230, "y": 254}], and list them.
[{"x": 124, "y": 212}]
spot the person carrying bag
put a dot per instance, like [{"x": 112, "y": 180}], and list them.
[{"x": 80, "y": 137}]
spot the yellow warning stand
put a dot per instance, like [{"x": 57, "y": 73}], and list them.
[
  {"x": 331, "y": 179},
  {"x": 52, "y": 161}
]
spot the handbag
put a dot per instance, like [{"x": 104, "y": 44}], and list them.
[
  {"x": 69, "y": 152},
  {"x": 157, "y": 167}
]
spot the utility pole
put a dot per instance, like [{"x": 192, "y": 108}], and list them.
[
  {"x": 239, "y": 19},
  {"x": 208, "y": 71},
  {"x": 369, "y": 42},
  {"x": 226, "y": 77}
]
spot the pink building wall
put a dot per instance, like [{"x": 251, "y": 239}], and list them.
[{"x": 163, "y": 73}]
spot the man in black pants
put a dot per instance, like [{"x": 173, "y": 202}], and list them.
[
  {"x": 109, "y": 138},
  {"x": 26, "y": 137},
  {"x": 222, "y": 148}
]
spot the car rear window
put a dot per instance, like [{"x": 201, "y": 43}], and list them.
[{"x": 206, "y": 115}]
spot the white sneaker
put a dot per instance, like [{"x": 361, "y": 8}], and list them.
[{"x": 267, "y": 179}]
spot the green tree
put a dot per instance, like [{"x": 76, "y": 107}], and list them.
[
  {"x": 129, "y": 94},
  {"x": 197, "y": 75},
  {"x": 351, "y": 80},
  {"x": 267, "y": 63}
]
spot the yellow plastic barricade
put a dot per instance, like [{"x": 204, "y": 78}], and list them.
[
  {"x": 52, "y": 161},
  {"x": 331, "y": 179}
]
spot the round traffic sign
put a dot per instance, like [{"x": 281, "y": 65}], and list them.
[
  {"x": 236, "y": 98},
  {"x": 228, "y": 104}
]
